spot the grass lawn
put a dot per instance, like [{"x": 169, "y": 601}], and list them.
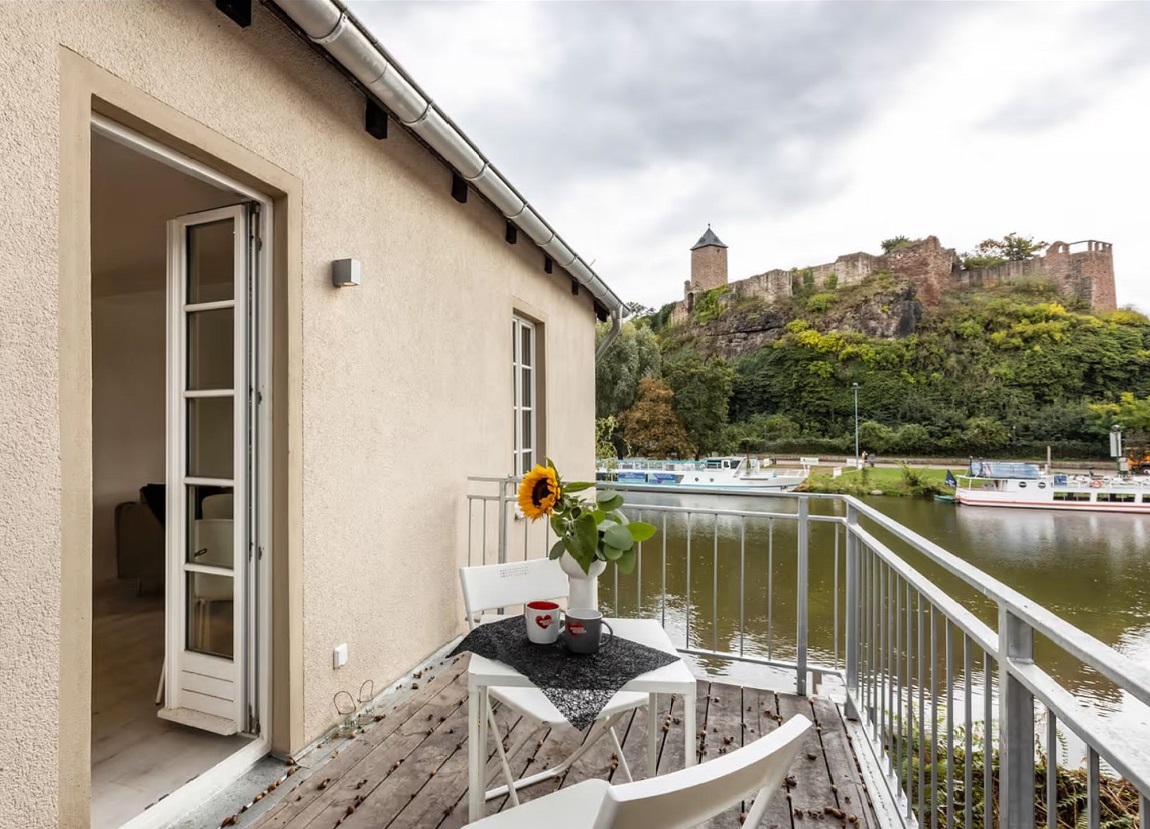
[{"x": 891, "y": 480}]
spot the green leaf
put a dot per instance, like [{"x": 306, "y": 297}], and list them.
[
  {"x": 619, "y": 536},
  {"x": 613, "y": 503},
  {"x": 641, "y": 530},
  {"x": 558, "y": 525},
  {"x": 626, "y": 563},
  {"x": 556, "y": 550},
  {"x": 578, "y": 486},
  {"x": 612, "y": 553},
  {"x": 605, "y": 495},
  {"x": 606, "y": 524},
  {"x": 573, "y": 546},
  {"x": 600, "y": 516},
  {"x": 588, "y": 533}
]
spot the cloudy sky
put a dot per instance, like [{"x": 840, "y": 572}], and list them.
[{"x": 800, "y": 131}]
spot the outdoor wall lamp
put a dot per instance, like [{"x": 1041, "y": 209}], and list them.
[{"x": 345, "y": 273}]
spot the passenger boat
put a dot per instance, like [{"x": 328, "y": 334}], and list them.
[
  {"x": 1024, "y": 485},
  {"x": 720, "y": 473}
]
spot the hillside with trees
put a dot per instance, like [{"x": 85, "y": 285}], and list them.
[{"x": 1004, "y": 370}]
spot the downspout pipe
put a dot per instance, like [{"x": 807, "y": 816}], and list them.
[
  {"x": 329, "y": 24},
  {"x": 616, "y": 326}
]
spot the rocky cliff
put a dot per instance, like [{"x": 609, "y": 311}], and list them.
[{"x": 881, "y": 306}]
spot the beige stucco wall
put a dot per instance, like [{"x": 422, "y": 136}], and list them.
[{"x": 405, "y": 380}]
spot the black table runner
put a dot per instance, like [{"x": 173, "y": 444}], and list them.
[{"x": 578, "y": 685}]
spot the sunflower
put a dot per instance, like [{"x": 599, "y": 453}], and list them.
[{"x": 538, "y": 492}]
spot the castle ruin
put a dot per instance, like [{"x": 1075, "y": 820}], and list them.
[{"x": 1076, "y": 269}]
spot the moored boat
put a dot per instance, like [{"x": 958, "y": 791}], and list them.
[
  {"x": 1025, "y": 486},
  {"x": 721, "y": 473}
]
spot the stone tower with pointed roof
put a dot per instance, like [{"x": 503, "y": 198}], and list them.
[{"x": 708, "y": 263}]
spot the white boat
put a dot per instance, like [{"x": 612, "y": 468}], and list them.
[
  {"x": 719, "y": 473},
  {"x": 1025, "y": 486}
]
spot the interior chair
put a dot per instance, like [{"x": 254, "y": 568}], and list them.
[
  {"x": 496, "y": 586},
  {"x": 677, "y": 800},
  {"x": 212, "y": 544},
  {"x": 217, "y": 506}
]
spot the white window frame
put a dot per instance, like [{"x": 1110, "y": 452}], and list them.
[{"x": 522, "y": 457}]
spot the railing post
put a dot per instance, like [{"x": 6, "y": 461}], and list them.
[
  {"x": 803, "y": 582},
  {"x": 1015, "y": 724},
  {"x": 852, "y": 610},
  {"x": 503, "y": 521}
]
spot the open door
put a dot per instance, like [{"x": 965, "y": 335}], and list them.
[{"x": 210, "y": 673}]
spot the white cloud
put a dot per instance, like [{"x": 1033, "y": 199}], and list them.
[{"x": 802, "y": 131}]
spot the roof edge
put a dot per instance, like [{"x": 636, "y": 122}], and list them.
[{"x": 331, "y": 25}]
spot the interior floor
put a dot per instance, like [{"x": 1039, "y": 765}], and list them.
[{"x": 137, "y": 758}]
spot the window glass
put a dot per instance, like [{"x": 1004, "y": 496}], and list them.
[{"x": 524, "y": 395}]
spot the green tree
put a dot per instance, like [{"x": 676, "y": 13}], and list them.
[
  {"x": 780, "y": 427},
  {"x": 609, "y": 441},
  {"x": 651, "y": 426},
  {"x": 912, "y": 437},
  {"x": 633, "y": 355},
  {"x": 702, "y": 390},
  {"x": 874, "y": 437},
  {"x": 985, "y": 434},
  {"x": 1010, "y": 248}
]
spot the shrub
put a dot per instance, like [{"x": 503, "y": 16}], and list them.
[
  {"x": 819, "y": 303},
  {"x": 875, "y": 437}
]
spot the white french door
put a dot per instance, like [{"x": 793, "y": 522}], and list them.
[{"x": 211, "y": 671}]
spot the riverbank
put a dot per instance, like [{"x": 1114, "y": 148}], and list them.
[{"x": 903, "y": 481}]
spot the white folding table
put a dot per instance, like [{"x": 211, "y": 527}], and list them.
[{"x": 484, "y": 673}]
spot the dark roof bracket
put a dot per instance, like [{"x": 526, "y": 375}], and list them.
[
  {"x": 375, "y": 120},
  {"x": 240, "y": 11}
]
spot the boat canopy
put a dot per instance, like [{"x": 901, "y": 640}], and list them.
[{"x": 998, "y": 469}]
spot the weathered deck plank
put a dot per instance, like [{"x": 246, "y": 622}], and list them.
[
  {"x": 811, "y": 792},
  {"x": 368, "y": 786},
  {"x": 851, "y": 796},
  {"x": 723, "y": 734}
]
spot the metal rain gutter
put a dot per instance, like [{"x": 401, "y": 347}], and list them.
[
  {"x": 616, "y": 324},
  {"x": 329, "y": 24}
]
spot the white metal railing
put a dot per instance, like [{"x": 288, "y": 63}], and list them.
[{"x": 950, "y": 705}]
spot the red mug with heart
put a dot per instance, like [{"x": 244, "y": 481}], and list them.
[{"x": 543, "y": 622}]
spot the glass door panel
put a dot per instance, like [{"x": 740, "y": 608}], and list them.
[
  {"x": 210, "y": 264},
  {"x": 211, "y": 349},
  {"x": 211, "y": 437}
]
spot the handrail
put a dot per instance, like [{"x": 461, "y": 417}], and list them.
[
  {"x": 900, "y": 643},
  {"x": 1081, "y": 645}
]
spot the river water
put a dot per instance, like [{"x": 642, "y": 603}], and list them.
[{"x": 1091, "y": 569}]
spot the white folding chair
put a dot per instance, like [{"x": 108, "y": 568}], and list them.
[
  {"x": 502, "y": 585},
  {"x": 677, "y": 800}
]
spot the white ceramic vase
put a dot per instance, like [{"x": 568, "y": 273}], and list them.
[{"x": 584, "y": 592}]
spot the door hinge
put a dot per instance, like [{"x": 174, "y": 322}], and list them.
[
  {"x": 253, "y": 721},
  {"x": 261, "y": 551}
]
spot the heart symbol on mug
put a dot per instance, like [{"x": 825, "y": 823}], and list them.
[
  {"x": 575, "y": 628},
  {"x": 544, "y": 621}
]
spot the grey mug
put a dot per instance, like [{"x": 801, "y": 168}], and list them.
[{"x": 582, "y": 631}]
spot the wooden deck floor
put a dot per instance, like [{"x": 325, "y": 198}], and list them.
[{"x": 410, "y": 768}]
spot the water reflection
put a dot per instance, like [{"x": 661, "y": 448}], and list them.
[{"x": 738, "y": 588}]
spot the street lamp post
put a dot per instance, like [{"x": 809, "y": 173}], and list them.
[{"x": 855, "y": 387}]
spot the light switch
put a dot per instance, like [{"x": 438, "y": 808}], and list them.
[{"x": 339, "y": 658}]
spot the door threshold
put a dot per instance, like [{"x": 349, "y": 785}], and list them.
[
  {"x": 194, "y": 793},
  {"x": 200, "y": 720}
]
